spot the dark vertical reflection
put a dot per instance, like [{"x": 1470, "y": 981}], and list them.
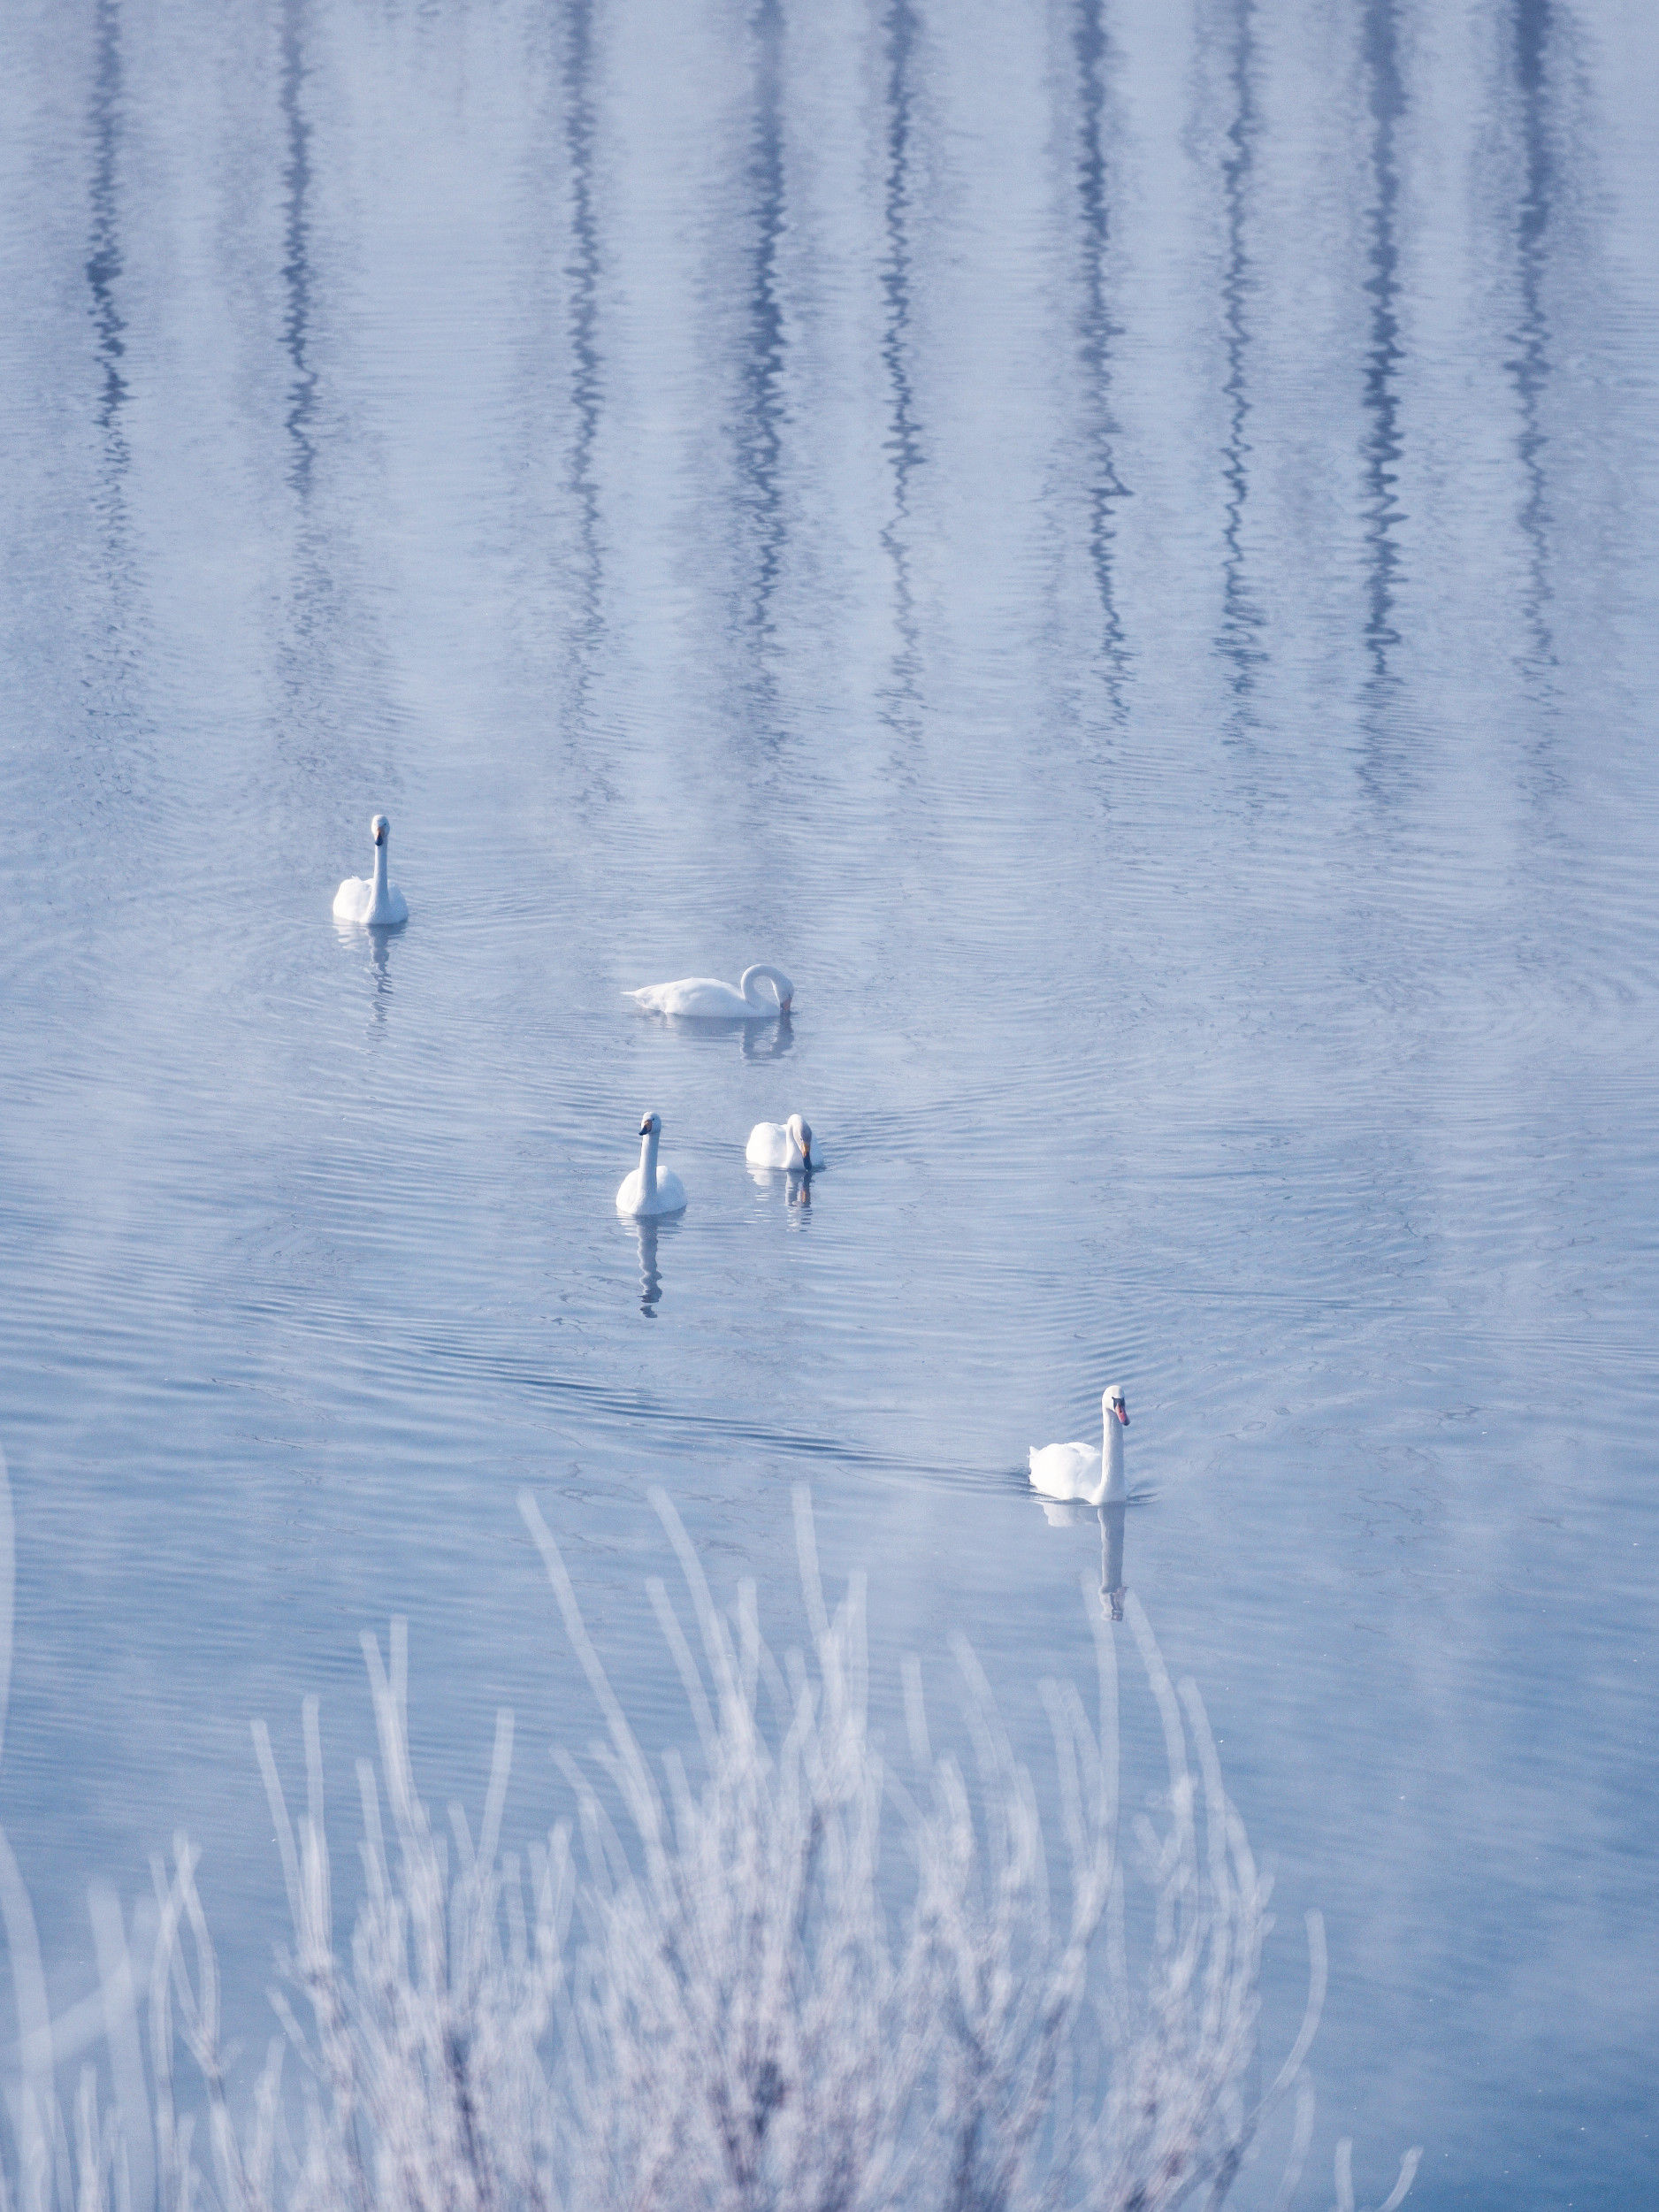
[
  {"x": 110, "y": 693},
  {"x": 582, "y": 275},
  {"x": 1098, "y": 331},
  {"x": 1382, "y": 446},
  {"x": 761, "y": 432},
  {"x": 296, "y": 269},
  {"x": 104, "y": 248},
  {"x": 1530, "y": 28},
  {"x": 902, "y": 445},
  {"x": 1240, "y": 615}
]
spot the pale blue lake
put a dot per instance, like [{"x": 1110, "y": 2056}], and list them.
[{"x": 1116, "y": 544}]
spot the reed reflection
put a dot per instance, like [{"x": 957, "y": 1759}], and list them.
[
  {"x": 1530, "y": 28},
  {"x": 581, "y": 271},
  {"x": 296, "y": 269},
  {"x": 1241, "y": 617},
  {"x": 901, "y": 698},
  {"x": 1382, "y": 445},
  {"x": 760, "y": 438},
  {"x": 1098, "y": 333},
  {"x": 109, "y": 698},
  {"x": 104, "y": 259}
]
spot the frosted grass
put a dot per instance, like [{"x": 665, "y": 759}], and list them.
[{"x": 771, "y": 1977}]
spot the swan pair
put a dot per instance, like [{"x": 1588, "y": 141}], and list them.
[
  {"x": 372, "y": 900},
  {"x": 1078, "y": 1472},
  {"x": 650, "y": 1190}
]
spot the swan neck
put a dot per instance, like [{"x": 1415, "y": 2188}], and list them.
[
  {"x": 649, "y": 1165},
  {"x": 379, "y": 900},
  {"x": 749, "y": 983},
  {"x": 1112, "y": 1487}
]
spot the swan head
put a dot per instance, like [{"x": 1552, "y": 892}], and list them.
[
  {"x": 1115, "y": 1406},
  {"x": 651, "y": 1125},
  {"x": 801, "y": 1135},
  {"x": 379, "y": 829}
]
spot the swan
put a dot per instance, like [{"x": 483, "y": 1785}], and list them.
[
  {"x": 780, "y": 1144},
  {"x": 1078, "y": 1471},
  {"x": 703, "y": 998},
  {"x": 373, "y": 900},
  {"x": 646, "y": 1191}
]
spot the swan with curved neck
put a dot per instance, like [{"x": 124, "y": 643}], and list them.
[
  {"x": 1079, "y": 1472},
  {"x": 700, "y": 998},
  {"x": 372, "y": 899},
  {"x": 781, "y": 1145},
  {"x": 650, "y": 1190}
]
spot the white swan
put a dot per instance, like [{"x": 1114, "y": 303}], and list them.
[
  {"x": 369, "y": 900},
  {"x": 780, "y": 1144},
  {"x": 1078, "y": 1471},
  {"x": 646, "y": 1191},
  {"x": 703, "y": 998}
]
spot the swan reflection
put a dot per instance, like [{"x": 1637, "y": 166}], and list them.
[
  {"x": 797, "y": 1183},
  {"x": 1112, "y": 1519},
  {"x": 769, "y": 1040},
  {"x": 647, "y": 1232},
  {"x": 760, "y": 1035},
  {"x": 357, "y": 938}
]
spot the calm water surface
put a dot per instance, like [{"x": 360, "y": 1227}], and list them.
[{"x": 1116, "y": 543}]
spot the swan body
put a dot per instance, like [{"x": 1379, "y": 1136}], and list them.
[
  {"x": 372, "y": 900},
  {"x": 1079, "y": 1470},
  {"x": 780, "y": 1144},
  {"x": 647, "y": 1192},
  {"x": 702, "y": 998}
]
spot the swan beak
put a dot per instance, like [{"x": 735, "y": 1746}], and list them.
[{"x": 1122, "y": 1410}]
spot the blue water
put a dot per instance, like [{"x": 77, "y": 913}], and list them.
[{"x": 1117, "y": 544}]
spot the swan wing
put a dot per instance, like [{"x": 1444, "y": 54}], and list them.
[
  {"x": 670, "y": 1198},
  {"x": 399, "y": 905},
  {"x": 351, "y": 900},
  {"x": 691, "y": 995},
  {"x": 670, "y": 1192},
  {"x": 768, "y": 1145},
  {"x": 1065, "y": 1471}
]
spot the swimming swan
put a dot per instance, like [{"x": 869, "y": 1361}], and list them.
[
  {"x": 645, "y": 1191},
  {"x": 704, "y": 999},
  {"x": 780, "y": 1144},
  {"x": 380, "y": 905},
  {"x": 1078, "y": 1471}
]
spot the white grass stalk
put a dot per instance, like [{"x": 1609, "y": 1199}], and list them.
[{"x": 770, "y": 1978}]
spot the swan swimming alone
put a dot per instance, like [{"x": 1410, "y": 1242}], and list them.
[
  {"x": 700, "y": 998},
  {"x": 780, "y": 1144},
  {"x": 372, "y": 900},
  {"x": 645, "y": 1191},
  {"x": 1079, "y": 1472}
]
